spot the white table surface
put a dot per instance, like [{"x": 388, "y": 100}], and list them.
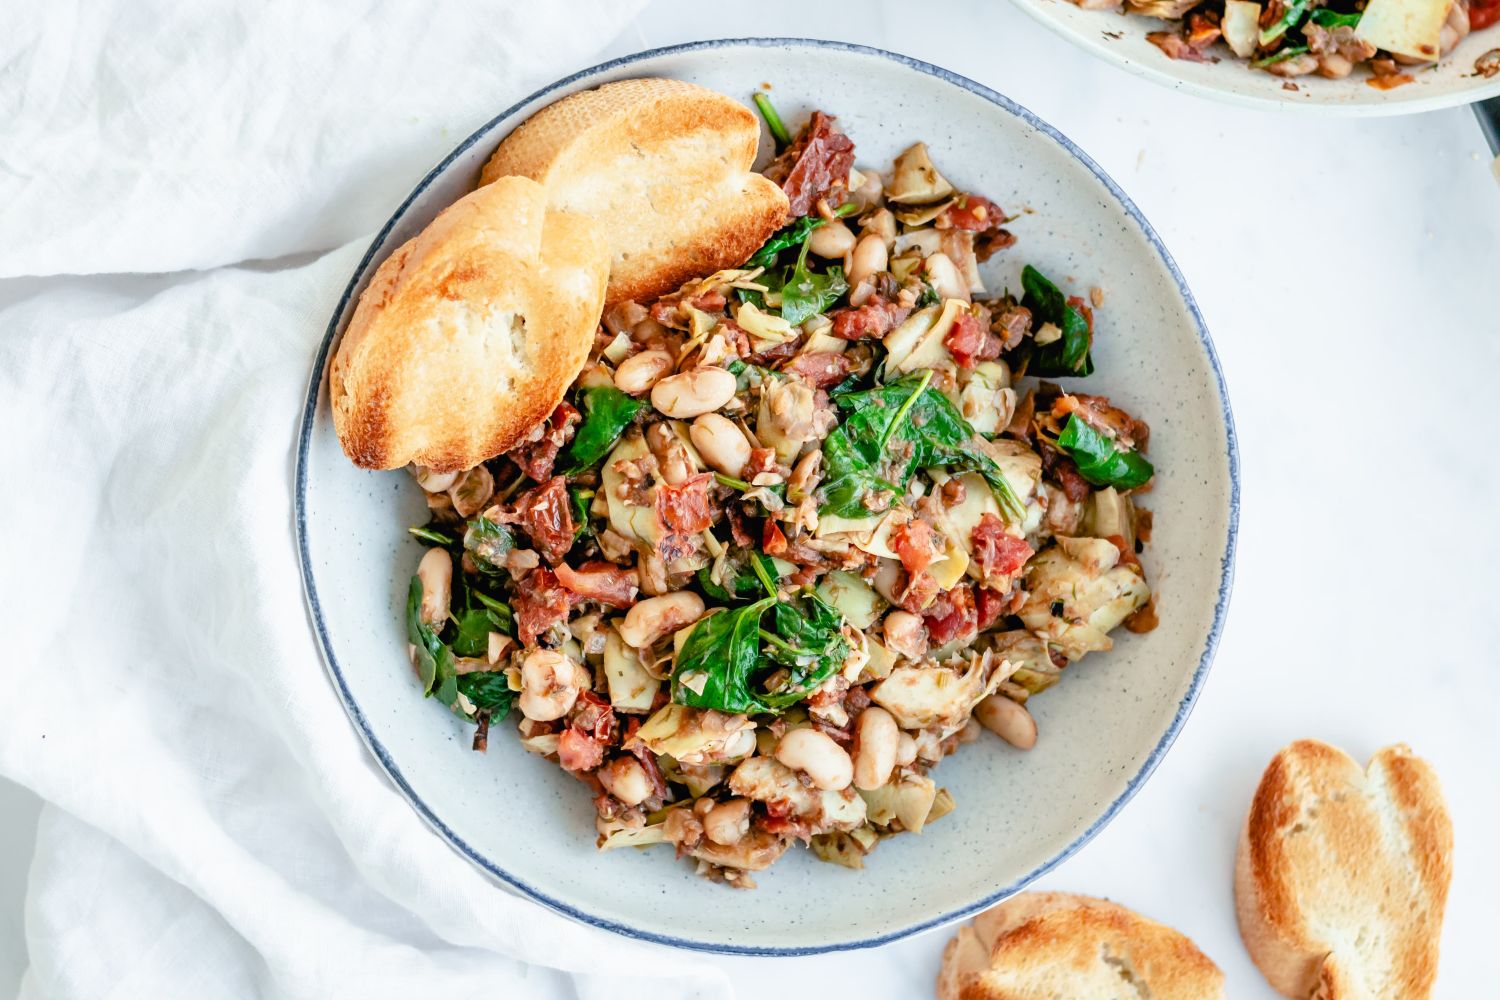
[{"x": 1346, "y": 269}]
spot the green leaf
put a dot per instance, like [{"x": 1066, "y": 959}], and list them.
[
  {"x": 435, "y": 665},
  {"x": 472, "y": 632},
  {"x": 773, "y": 120},
  {"x": 488, "y": 543},
  {"x": 489, "y": 691},
  {"x": 1331, "y": 19},
  {"x": 724, "y": 650},
  {"x": 501, "y": 616},
  {"x": 432, "y": 535},
  {"x": 740, "y": 580},
  {"x": 581, "y": 499},
  {"x": 808, "y": 643},
  {"x": 1282, "y": 56},
  {"x": 1100, "y": 460},
  {"x": 606, "y": 413},
  {"x": 794, "y": 234},
  {"x": 890, "y": 432},
  {"x": 1290, "y": 17},
  {"x": 1068, "y": 355}
]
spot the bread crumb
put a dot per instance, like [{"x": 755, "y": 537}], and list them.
[{"x": 1096, "y": 296}]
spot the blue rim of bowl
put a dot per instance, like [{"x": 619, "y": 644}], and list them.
[{"x": 357, "y": 716}]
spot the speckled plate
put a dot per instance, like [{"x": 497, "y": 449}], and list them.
[
  {"x": 1121, "y": 39},
  {"x": 1103, "y": 729}
]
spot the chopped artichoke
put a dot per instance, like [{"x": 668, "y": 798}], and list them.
[
  {"x": 1021, "y": 467},
  {"x": 1407, "y": 27},
  {"x": 942, "y": 805},
  {"x": 907, "y": 800},
  {"x": 1109, "y": 513},
  {"x": 630, "y": 520},
  {"x": 918, "y": 342},
  {"x": 756, "y": 851},
  {"x": 1241, "y": 27},
  {"x": 765, "y": 330},
  {"x": 929, "y": 695},
  {"x": 917, "y": 181},
  {"x": 691, "y": 734},
  {"x": 845, "y": 848},
  {"x": 641, "y": 836},
  {"x": 979, "y": 398},
  {"x": 1078, "y": 593},
  {"x": 923, "y": 214},
  {"x": 854, "y": 599},
  {"x": 631, "y": 686},
  {"x": 1025, "y": 660}
]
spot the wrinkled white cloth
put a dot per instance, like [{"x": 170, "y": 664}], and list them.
[{"x": 213, "y": 826}]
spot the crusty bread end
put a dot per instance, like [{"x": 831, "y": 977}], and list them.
[
  {"x": 469, "y": 334},
  {"x": 1038, "y": 946},
  {"x": 663, "y": 166},
  {"x": 1342, "y": 874}
]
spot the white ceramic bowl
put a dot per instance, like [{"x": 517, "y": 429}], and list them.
[
  {"x": 1102, "y": 730},
  {"x": 1122, "y": 41}
]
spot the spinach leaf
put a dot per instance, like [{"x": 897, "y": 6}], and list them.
[
  {"x": 473, "y": 628},
  {"x": 722, "y": 650},
  {"x": 773, "y": 120},
  {"x": 500, "y": 614},
  {"x": 488, "y": 543},
  {"x": 794, "y": 234},
  {"x": 489, "y": 692},
  {"x": 607, "y": 412},
  {"x": 582, "y": 500},
  {"x": 1282, "y": 56},
  {"x": 1330, "y": 19},
  {"x": 890, "y": 432},
  {"x": 810, "y": 644},
  {"x": 435, "y": 665},
  {"x": 1100, "y": 460},
  {"x": 432, "y": 535},
  {"x": 1069, "y": 353},
  {"x": 1291, "y": 16},
  {"x": 805, "y": 294},
  {"x": 740, "y": 579}
]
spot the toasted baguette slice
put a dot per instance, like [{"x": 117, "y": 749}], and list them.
[
  {"x": 1044, "y": 945},
  {"x": 1342, "y": 874},
  {"x": 663, "y": 166},
  {"x": 470, "y": 333}
]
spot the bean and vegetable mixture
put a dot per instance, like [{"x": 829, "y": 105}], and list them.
[
  {"x": 800, "y": 530},
  {"x": 1291, "y": 38}
]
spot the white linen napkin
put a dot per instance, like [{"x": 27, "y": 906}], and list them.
[{"x": 213, "y": 826}]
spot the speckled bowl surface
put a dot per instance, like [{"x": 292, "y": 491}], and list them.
[
  {"x": 1103, "y": 729},
  {"x": 1121, "y": 39}
]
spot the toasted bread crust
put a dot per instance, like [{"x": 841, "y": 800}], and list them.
[
  {"x": 663, "y": 166},
  {"x": 469, "y": 334},
  {"x": 1041, "y": 945},
  {"x": 1342, "y": 874}
]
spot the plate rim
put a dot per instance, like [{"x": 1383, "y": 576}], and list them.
[
  {"x": 307, "y": 426},
  {"x": 1310, "y": 108}
]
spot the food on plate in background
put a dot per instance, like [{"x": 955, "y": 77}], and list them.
[
  {"x": 469, "y": 333},
  {"x": 1292, "y": 38},
  {"x": 802, "y": 526},
  {"x": 1045, "y": 945},
  {"x": 1342, "y": 874}
]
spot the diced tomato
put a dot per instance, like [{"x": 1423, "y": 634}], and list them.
[
  {"x": 819, "y": 159},
  {"x": 684, "y": 508},
  {"x": 710, "y": 301},
  {"x": 972, "y": 212},
  {"x": 997, "y": 552},
  {"x": 578, "y": 751},
  {"x": 537, "y": 457},
  {"x": 917, "y": 544},
  {"x": 600, "y": 581},
  {"x": 970, "y": 343},
  {"x": 1483, "y": 13},
  {"x": 547, "y": 518},
  {"x": 989, "y": 605},
  {"x": 873, "y": 319},
  {"x": 919, "y": 592},
  {"x": 821, "y": 368},
  {"x": 773, "y": 541},
  {"x": 952, "y": 615},
  {"x": 594, "y": 716},
  {"x": 539, "y": 603}
]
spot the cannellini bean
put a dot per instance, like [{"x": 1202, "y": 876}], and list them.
[
  {"x": 693, "y": 392},
  {"x": 906, "y": 750},
  {"x": 868, "y": 259},
  {"x": 550, "y": 683},
  {"x": 1008, "y": 720},
  {"x": 906, "y": 633},
  {"x": 943, "y": 275},
  {"x": 649, "y": 620},
  {"x": 727, "y": 822},
  {"x": 472, "y": 492},
  {"x": 871, "y": 188},
  {"x": 436, "y": 573},
  {"x": 433, "y": 482},
  {"x": 673, "y": 459},
  {"x": 876, "y": 736},
  {"x": 626, "y": 780},
  {"x": 721, "y": 443},
  {"x": 831, "y": 240},
  {"x": 740, "y": 744},
  {"x": 640, "y": 372},
  {"x": 816, "y": 754}
]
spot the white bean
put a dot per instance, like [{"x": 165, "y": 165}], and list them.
[
  {"x": 831, "y": 240},
  {"x": 943, "y": 274},
  {"x": 906, "y": 634},
  {"x": 640, "y": 372},
  {"x": 436, "y": 573},
  {"x": 906, "y": 750},
  {"x": 472, "y": 492},
  {"x": 626, "y": 780},
  {"x": 649, "y": 620},
  {"x": 726, "y": 823},
  {"x": 721, "y": 443},
  {"x": 433, "y": 482},
  {"x": 869, "y": 258},
  {"x": 875, "y": 738},
  {"x": 870, "y": 189},
  {"x": 882, "y": 224},
  {"x": 816, "y": 754},
  {"x": 1008, "y": 720},
  {"x": 693, "y": 392},
  {"x": 550, "y": 683}
]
